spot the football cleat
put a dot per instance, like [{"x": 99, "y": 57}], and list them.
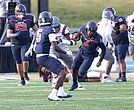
[
  {"x": 106, "y": 79},
  {"x": 53, "y": 97},
  {"x": 64, "y": 95},
  {"x": 73, "y": 87},
  {"x": 27, "y": 82},
  {"x": 122, "y": 79},
  {"x": 80, "y": 87},
  {"x": 26, "y": 76},
  {"x": 22, "y": 83}
]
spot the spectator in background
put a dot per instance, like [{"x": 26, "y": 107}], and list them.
[
  {"x": 18, "y": 32},
  {"x": 3, "y": 12},
  {"x": 121, "y": 42},
  {"x": 130, "y": 23},
  {"x": 91, "y": 40},
  {"x": 105, "y": 27}
]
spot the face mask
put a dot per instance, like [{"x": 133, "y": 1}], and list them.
[{"x": 20, "y": 16}]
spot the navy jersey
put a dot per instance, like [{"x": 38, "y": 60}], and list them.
[
  {"x": 16, "y": 24},
  {"x": 42, "y": 40},
  {"x": 120, "y": 38},
  {"x": 118, "y": 21},
  {"x": 90, "y": 46}
]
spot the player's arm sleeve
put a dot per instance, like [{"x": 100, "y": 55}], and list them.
[
  {"x": 103, "y": 48},
  {"x": 8, "y": 24},
  {"x": 67, "y": 30},
  {"x": 108, "y": 32},
  {"x": 52, "y": 37},
  {"x": 32, "y": 21}
]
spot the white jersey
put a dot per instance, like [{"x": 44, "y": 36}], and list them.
[
  {"x": 130, "y": 23},
  {"x": 63, "y": 30},
  {"x": 105, "y": 28}
]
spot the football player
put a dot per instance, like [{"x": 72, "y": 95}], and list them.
[
  {"x": 46, "y": 37},
  {"x": 18, "y": 32},
  {"x": 91, "y": 40},
  {"x": 65, "y": 39},
  {"x": 130, "y": 23},
  {"x": 105, "y": 27},
  {"x": 121, "y": 42}
]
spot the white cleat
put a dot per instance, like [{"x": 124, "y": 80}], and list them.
[
  {"x": 22, "y": 83},
  {"x": 63, "y": 95},
  {"x": 53, "y": 97},
  {"x": 27, "y": 82},
  {"x": 106, "y": 79}
]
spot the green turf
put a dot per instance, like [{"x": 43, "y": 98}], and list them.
[
  {"x": 76, "y": 13},
  {"x": 97, "y": 96}
]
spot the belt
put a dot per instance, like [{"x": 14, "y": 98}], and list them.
[{"x": 40, "y": 55}]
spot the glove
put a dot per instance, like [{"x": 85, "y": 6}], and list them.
[
  {"x": 69, "y": 53},
  {"x": 29, "y": 52},
  {"x": 16, "y": 34}
]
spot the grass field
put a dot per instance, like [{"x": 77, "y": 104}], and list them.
[
  {"x": 97, "y": 96},
  {"x": 76, "y": 13}
]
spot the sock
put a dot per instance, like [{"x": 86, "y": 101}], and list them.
[
  {"x": 75, "y": 81},
  {"x": 60, "y": 88},
  {"x": 25, "y": 73},
  {"x": 22, "y": 78},
  {"x": 119, "y": 75},
  {"x": 123, "y": 74},
  {"x": 54, "y": 91},
  {"x": 61, "y": 91}
]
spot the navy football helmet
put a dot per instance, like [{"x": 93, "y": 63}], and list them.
[
  {"x": 108, "y": 15},
  {"x": 20, "y": 8},
  {"x": 45, "y": 18},
  {"x": 110, "y": 9},
  {"x": 91, "y": 29},
  {"x": 56, "y": 23},
  {"x": 92, "y": 26}
]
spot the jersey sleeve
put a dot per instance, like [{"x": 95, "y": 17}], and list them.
[
  {"x": 65, "y": 30},
  {"x": 52, "y": 37},
  {"x": 33, "y": 21},
  {"x": 8, "y": 22}
]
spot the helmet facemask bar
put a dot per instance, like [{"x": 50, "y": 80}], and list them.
[
  {"x": 91, "y": 29},
  {"x": 108, "y": 15},
  {"x": 20, "y": 11},
  {"x": 45, "y": 18},
  {"x": 56, "y": 23}
]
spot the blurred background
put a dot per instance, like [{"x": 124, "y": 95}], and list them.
[{"x": 73, "y": 13}]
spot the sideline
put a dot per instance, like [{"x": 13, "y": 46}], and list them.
[{"x": 35, "y": 76}]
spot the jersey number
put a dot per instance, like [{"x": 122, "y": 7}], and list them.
[
  {"x": 21, "y": 26},
  {"x": 38, "y": 35},
  {"x": 131, "y": 29}
]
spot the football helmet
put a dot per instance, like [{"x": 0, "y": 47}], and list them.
[
  {"x": 20, "y": 8},
  {"x": 91, "y": 29},
  {"x": 110, "y": 9},
  {"x": 45, "y": 18},
  {"x": 92, "y": 26},
  {"x": 56, "y": 23},
  {"x": 108, "y": 15}
]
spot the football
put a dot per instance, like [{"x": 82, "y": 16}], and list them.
[{"x": 76, "y": 36}]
